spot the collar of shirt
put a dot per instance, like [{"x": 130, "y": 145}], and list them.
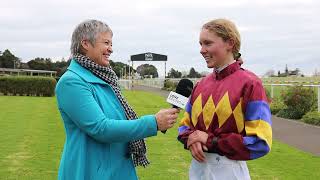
[{"x": 218, "y": 70}]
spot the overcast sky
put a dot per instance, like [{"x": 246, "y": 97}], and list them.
[{"x": 273, "y": 32}]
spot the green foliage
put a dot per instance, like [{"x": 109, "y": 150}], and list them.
[
  {"x": 47, "y": 64},
  {"x": 300, "y": 80},
  {"x": 314, "y": 107},
  {"x": 118, "y": 67},
  {"x": 276, "y": 105},
  {"x": 8, "y": 60},
  {"x": 147, "y": 70},
  {"x": 312, "y": 117},
  {"x": 289, "y": 113},
  {"x": 299, "y": 101},
  {"x": 41, "y": 64},
  {"x": 169, "y": 85},
  {"x": 267, "y": 92},
  {"x": 27, "y": 85},
  {"x": 61, "y": 71},
  {"x": 193, "y": 73},
  {"x": 174, "y": 73}
]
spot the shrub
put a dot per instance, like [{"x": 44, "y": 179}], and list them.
[
  {"x": 27, "y": 85},
  {"x": 312, "y": 117},
  {"x": 276, "y": 105},
  {"x": 289, "y": 113},
  {"x": 314, "y": 107},
  {"x": 298, "y": 100},
  {"x": 169, "y": 85},
  {"x": 268, "y": 94}
]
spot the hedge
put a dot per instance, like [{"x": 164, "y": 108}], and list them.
[
  {"x": 27, "y": 85},
  {"x": 169, "y": 85},
  {"x": 312, "y": 118},
  {"x": 276, "y": 105},
  {"x": 298, "y": 101}
]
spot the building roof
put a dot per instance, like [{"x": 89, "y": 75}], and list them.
[{"x": 25, "y": 70}]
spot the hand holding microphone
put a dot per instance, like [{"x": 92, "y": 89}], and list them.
[
  {"x": 166, "y": 118},
  {"x": 179, "y": 99}
]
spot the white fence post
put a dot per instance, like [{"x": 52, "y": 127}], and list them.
[
  {"x": 159, "y": 84},
  {"x": 318, "y": 98}
]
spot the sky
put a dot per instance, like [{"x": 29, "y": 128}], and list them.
[{"x": 273, "y": 32}]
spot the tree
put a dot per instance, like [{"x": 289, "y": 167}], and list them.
[
  {"x": 1, "y": 61},
  {"x": 41, "y": 64},
  {"x": 193, "y": 73},
  {"x": 61, "y": 71},
  {"x": 118, "y": 67},
  {"x": 8, "y": 60},
  {"x": 147, "y": 70},
  {"x": 61, "y": 66},
  {"x": 47, "y": 64},
  {"x": 174, "y": 73}
]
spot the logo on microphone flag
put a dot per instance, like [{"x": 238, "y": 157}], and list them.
[{"x": 177, "y": 100}]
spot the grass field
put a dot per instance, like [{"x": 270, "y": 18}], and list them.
[
  {"x": 304, "y": 80},
  {"x": 32, "y": 137},
  {"x": 278, "y": 89}
]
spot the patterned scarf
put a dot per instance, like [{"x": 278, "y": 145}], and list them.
[{"x": 137, "y": 148}]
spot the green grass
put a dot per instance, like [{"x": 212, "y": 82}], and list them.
[
  {"x": 278, "y": 89},
  {"x": 304, "y": 80},
  {"x": 32, "y": 137},
  {"x": 289, "y": 80},
  {"x": 285, "y": 162}
]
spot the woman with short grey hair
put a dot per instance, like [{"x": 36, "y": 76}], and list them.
[
  {"x": 104, "y": 135},
  {"x": 87, "y": 30}
]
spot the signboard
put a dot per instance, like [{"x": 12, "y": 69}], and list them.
[{"x": 148, "y": 57}]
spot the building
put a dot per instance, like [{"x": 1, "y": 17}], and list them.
[{"x": 27, "y": 72}]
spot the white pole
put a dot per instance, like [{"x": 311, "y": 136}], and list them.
[
  {"x": 129, "y": 70},
  {"x": 318, "y": 98},
  {"x": 132, "y": 74},
  {"x": 271, "y": 91},
  {"x": 129, "y": 85}
]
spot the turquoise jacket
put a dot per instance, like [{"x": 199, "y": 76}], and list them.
[{"x": 97, "y": 132}]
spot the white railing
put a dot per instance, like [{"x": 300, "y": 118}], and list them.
[
  {"x": 125, "y": 84},
  {"x": 194, "y": 80},
  {"x": 159, "y": 83},
  {"x": 304, "y": 85}
]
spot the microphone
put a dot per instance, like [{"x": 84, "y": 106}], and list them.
[{"x": 179, "y": 99}]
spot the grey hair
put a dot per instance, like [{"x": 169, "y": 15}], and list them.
[{"x": 87, "y": 30}]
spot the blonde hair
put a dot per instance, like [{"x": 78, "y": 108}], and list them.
[{"x": 227, "y": 30}]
